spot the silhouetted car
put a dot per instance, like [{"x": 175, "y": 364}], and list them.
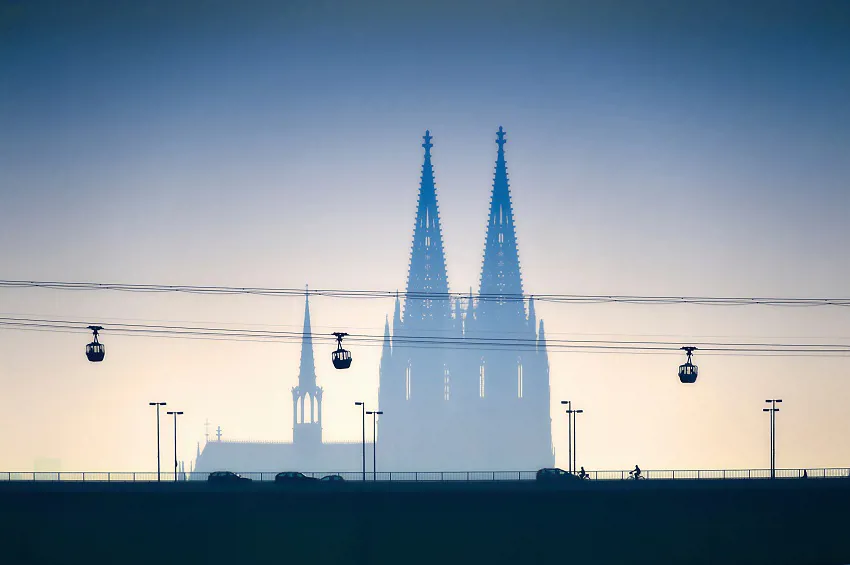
[
  {"x": 292, "y": 477},
  {"x": 554, "y": 474},
  {"x": 226, "y": 477},
  {"x": 332, "y": 479}
]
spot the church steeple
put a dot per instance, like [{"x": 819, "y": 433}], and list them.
[
  {"x": 304, "y": 430},
  {"x": 501, "y": 280},
  {"x": 307, "y": 370},
  {"x": 427, "y": 272}
]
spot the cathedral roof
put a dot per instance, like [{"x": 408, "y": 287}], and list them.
[{"x": 274, "y": 457}]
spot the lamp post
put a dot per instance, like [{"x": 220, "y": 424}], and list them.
[
  {"x": 772, "y": 410},
  {"x": 569, "y": 435},
  {"x": 374, "y": 414},
  {"x": 157, "y": 404},
  {"x": 573, "y": 413},
  {"x": 175, "y": 414},
  {"x": 363, "y": 406}
]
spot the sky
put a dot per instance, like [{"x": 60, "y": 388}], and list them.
[{"x": 654, "y": 148}]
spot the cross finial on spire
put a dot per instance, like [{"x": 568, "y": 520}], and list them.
[
  {"x": 427, "y": 145},
  {"x": 500, "y": 138},
  {"x": 218, "y": 433}
]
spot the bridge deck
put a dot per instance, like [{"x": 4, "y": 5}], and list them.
[{"x": 754, "y": 521}]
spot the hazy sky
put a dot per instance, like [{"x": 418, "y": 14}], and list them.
[{"x": 653, "y": 148}]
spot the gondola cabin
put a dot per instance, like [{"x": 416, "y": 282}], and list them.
[
  {"x": 95, "y": 351},
  {"x": 688, "y": 372},
  {"x": 341, "y": 357}
]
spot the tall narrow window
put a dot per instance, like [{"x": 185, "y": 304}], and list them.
[
  {"x": 446, "y": 383},
  {"x": 519, "y": 377},
  {"x": 481, "y": 380},
  {"x": 407, "y": 383}
]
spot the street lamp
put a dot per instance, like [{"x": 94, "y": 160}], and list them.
[
  {"x": 575, "y": 443},
  {"x": 772, "y": 410},
  {"x": 157, "y": 404},
  {"x": 569, "y": 435},
  {"x": 363, "y": 406},
  {"x": 374, "y": 414},
  {"x": 175, "y": 440}
]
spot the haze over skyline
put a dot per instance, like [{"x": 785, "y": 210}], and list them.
[{"x": 669, "y": 151}]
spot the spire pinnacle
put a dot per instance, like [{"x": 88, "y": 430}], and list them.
[
  {"x": 500, "y": 139},
  {"x": 427, "y": 145}
]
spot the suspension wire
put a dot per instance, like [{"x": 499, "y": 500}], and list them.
[
  {"x": 725, "y": 353},
  {"x": 434, "y": 331},
  {"x": 382, "y": 294},
  {"x": 425, "y": 342}
]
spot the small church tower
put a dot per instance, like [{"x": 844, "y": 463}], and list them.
[{"x": 304, "y": 430}]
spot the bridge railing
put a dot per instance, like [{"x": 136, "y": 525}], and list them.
[{"x": 430, "y": 476}]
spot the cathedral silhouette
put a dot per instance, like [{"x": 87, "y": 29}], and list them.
[{"x": 465, "y": 406}]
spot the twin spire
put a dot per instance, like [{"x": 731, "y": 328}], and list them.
[{"x": 500, "y": 272}]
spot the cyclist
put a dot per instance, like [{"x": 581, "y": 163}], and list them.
[
  {"x": 635, "y": 473},
  {"x": 583, "y": 475}
]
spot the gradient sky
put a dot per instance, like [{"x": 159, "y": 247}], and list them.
[{"x": 653, "y": 148}]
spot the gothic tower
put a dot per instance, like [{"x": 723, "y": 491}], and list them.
[
  {"x": 512, "y": 380},
  {"x": 414, "y": 378},
  {"x": 307, "y": 431}
]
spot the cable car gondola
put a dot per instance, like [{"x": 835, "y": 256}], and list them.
[
  {"x": 341, "y": 357},
  {"x": 95, "y": 351},
  {"x": 688, "y": 372}
]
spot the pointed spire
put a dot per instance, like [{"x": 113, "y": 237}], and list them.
[
  {"x": 541, "y": 345},
  {"x": 427, "y": 272},
  {"x": 500, "y": 272},
  {"x": 307, "y": 370},
  {"x": 532, "y": 316},
  {"x": 387, "y": 348},
  {"x": 198, "y": 454},
  {"x": 397, "y": 315}
]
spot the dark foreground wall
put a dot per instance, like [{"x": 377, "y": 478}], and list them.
[{"x": 784, "y": 521}]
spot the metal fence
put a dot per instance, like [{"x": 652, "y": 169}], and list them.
[{"x": 431, "y": 476}]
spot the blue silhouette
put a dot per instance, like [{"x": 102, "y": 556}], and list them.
[
  {"x": 475, "y": 407},
  {"x": 470, "y": 408}
]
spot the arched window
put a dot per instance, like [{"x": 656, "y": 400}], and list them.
[
  {"x": 519, "y": 376},
  {"x": 481, "y": 380},
  {"x": 407, "y": 383},
  {"x": 446, "y": 383}
]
